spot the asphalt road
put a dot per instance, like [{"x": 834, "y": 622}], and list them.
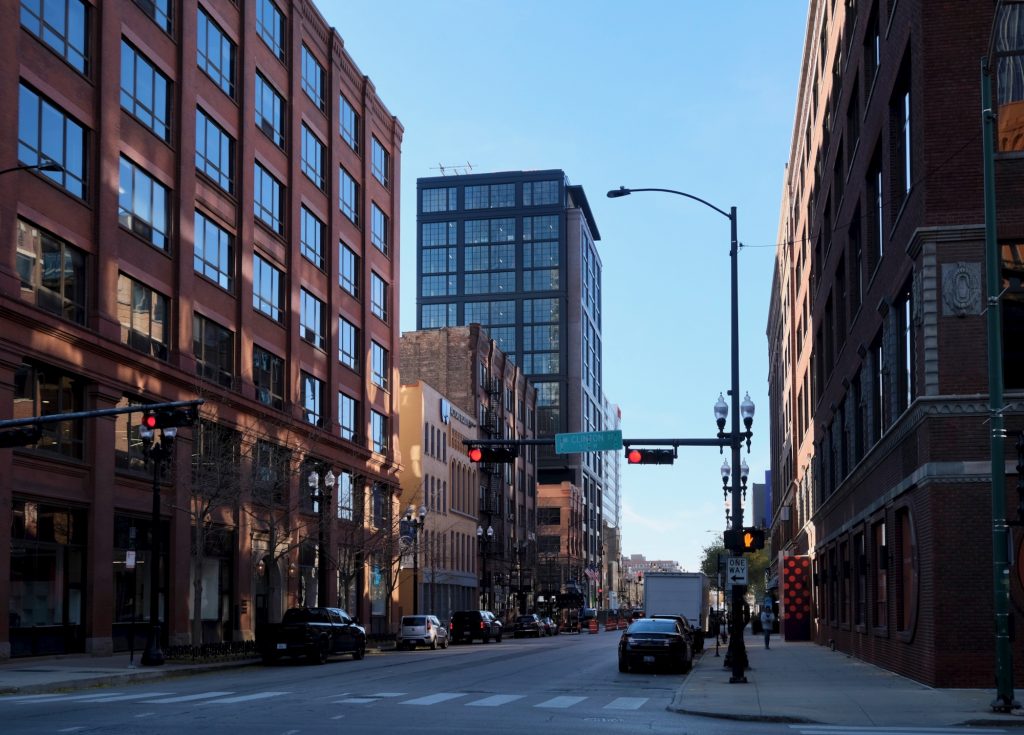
[{"x": 563, "y": 684}]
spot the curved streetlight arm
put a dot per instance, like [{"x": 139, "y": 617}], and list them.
[
  {"x": 47, "y": 166},
  {"x": 623, "y": 191}
]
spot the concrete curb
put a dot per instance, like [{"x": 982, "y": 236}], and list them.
[{"x": 131, "y": 675}]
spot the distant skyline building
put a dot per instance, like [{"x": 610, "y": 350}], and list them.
[{"x": 515, "y": 252}]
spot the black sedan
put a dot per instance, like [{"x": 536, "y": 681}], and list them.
[{"x": 653, "y": 641}]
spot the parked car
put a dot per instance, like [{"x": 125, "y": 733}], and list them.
[
  {"x": 586, "y": 615},
  {"x": 470, "y": 625},
  {"x": 550, "y": 625},
  {"x": 654, "y": 641},
  {"x": 423, "y": 630},
  {"x": 313, "y": 632},
  {"x": 695, "y": 636},
  {"x": 529, "y": 625}
]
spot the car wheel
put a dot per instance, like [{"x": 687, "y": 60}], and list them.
[
  {"x": 446, "y": 642},
  {"x": 623, "y": 665},
  {"x": 322, "y": 651},
  {"x": 486, "y": 639},
  {"x": 359, "y": 653},
  {"x": 498, "y": 639}
]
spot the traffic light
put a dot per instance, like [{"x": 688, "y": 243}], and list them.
[
  {"x": 499, "y": 455},
  {"x": 168, "y": 418},
  {"x": 650, "y": 456},
  {"x": 749, "y": 539},
  {"x": 20, "y": 437}
]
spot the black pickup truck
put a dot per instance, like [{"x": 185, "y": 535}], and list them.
[{"x": 312, "y": 632}]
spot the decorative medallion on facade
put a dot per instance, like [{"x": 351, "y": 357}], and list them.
[{"x": 961, "y": 288}]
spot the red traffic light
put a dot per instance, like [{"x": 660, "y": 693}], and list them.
[
  {"x": 476, "y": 454},
  {"x": 650, "y": 456},
  {"x": 491, "y": 454},
  {"x": 634, "y": 456},
  {"x": 149, "y": 421}
]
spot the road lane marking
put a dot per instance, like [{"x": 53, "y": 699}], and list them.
[
  {"x": 356, "y": 700},
  {"x": 627, "y": 703},
  {"x": 389, "y": 694},
  {"x": 126, "y": 697},
  {"x": 495, "y": 701},
  {"x": 187, "y": 698},
  {"x": 435, "y": 698},
  {"x": 246, "y": 698},
  {"x": 560, "y": 702}
]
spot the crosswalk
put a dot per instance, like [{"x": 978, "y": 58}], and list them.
[
  {"x": 466, "y": 699},
  {"x": 888, "y": 730}
]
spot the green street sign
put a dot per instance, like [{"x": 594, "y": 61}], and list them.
[{"x": 588, "y": 441}]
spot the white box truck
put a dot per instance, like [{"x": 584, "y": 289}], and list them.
[{"x": 679, "y": 593}]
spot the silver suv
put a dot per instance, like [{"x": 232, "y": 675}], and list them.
[{"x": 422, "y": 629}]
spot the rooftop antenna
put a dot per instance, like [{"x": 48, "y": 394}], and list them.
[{"x": 456, "y": 169}]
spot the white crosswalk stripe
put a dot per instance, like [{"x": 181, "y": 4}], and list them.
[
  {"x": 890, "y": 730},
  {"x": 187, "y": 698},
  {"x": 434, "y": 698},
  {"x": 495, "y": 700},
  {"x": 560, "y": 702},
  {"x": 627, "y": 703},
  {"x": 246, "y": 698}
]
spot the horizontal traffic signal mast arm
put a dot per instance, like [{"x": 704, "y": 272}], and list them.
[
  {"x": 725, "y": 441},
  {"x": 137, "y": 408}
]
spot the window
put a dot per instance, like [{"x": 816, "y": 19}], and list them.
[
  {"x": 379, "y": 505},
  {"x": 877, "y": 218},
  {"x": 52, "y": 273},
  {"x": 872, "y": 49},
  {"x": 348, "y": 124},
  {"x": 348, "y": 196},
  {"x": 540, "y": 266},
  {"x": 312, "y": 400},
  {"x": 906, "y": 576},
  {"x": 267, "y": 295},
  {"x": 379, "y": 430},
  {"x": 348, "y": 269},
  {"x": 268, "y": 377},
  {"x": 381, "y": 163},
  {"x": 379, "y": 226},
  {"x": 269, "y": 111},
  {"x": 214, "y": 350},
  {"x": 1009, "y": 52},
  {"x": 440, "y": 200},
  {"x": 490, "y": 196},
  {"x": 899, "y": 123},
  {"x": 378, "y": 297},
  {"x": 380, "y": 372},
  {"x": 270, "y": 26},
  {"x": 61, "y": 25},
  {"x": 536, "y": 193},
  {"x": 347, "y": 421},
  {"x": 268, "y": 199},
  {"x": 312, "y": 163},
  {"x": 907, "y": 387},
  {"x": 312, "y": 78},
  {"x": 159, "y": 11},
  {"x": 312, "y": 238},
  {"x": 348, "y": 344},
  {"x": 215, "y": 152},
  {"x": 879, "y": 391},
  {"x": 439, "y": 259},
  {"x": 345, "y": 502},
  {"x": 142, "y": 204},
  {"x": 214, "y": 252},
  {"x": 312, "y": 324},
  {"x": 216, "y": 54},
  {"x": 880, "y": 564},
  {"x": 435, "y": 316},
  {"x": 46, "y": 133},
  {"x": 145, "y": 92},
  {"x": 143, "y": 314},
  {"x": 42, "y": 390}
]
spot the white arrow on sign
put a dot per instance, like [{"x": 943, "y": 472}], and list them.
[{"x": 736, "y": 571}]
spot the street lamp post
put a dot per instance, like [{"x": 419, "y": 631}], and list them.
[
  {"x": 159, "y": 451},
  {"x": 321, "y": 504},
  {"x": 484, "y": 542},
  {"x": 415, "y": 525},
  {"x": 737, "y": 648}
]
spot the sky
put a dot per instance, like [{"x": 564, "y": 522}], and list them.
[{"x": 689, "y": 95}]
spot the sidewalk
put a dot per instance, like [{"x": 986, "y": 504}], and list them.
[{"x": 804, "y": 682}]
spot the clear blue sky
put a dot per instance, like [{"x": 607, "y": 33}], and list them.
[{"x": 680, "y": 94}]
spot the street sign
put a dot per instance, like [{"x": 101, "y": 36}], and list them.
[
  {"x": 588, "y": 441},
  {"x": 736, "y": 571}
]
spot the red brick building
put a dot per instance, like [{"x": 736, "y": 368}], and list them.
[
  {"x": 225, "y": 227},
  {"x": 877, "y": 334}
]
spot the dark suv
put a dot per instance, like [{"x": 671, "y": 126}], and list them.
[
  {"x": 468, "y": 625},
  {"x": 528, "y": 625}
]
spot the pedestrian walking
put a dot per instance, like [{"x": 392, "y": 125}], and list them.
[{"x": 767, "y": 621}]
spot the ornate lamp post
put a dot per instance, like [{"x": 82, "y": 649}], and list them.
[
  {"x": 159, "y": 451},
  {"x": 321, "y": 505},
  {"x": 415, "y": 525},
  {"x": 484, "y": 542}
]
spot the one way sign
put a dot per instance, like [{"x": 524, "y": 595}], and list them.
[{"x": 736, "y": 570}]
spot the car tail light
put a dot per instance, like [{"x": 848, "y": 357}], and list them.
[{"x": 481, "y": 625}]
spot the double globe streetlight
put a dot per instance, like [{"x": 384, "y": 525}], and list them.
[
  {"x": 321, "y": 498},
  {"x": 414, "y": 525},
  {"x": 483, "y": 538},
  {"x": 737, "y": 650}
]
